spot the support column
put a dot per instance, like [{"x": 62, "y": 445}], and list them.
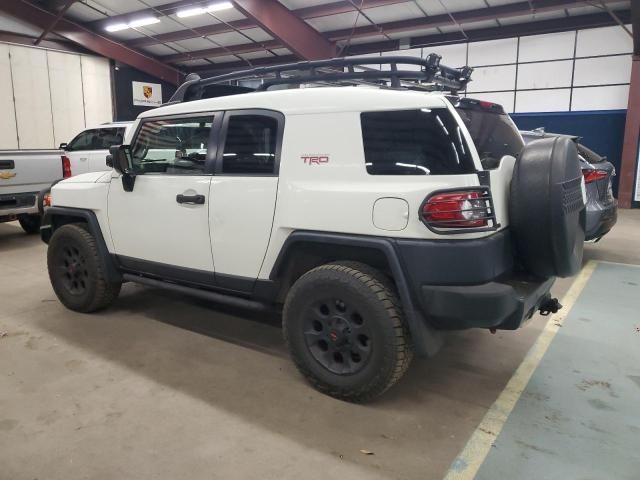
[{"x": 629, "y": 165}]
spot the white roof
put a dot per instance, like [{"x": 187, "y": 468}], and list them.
[{"x": 309, "y": 100}]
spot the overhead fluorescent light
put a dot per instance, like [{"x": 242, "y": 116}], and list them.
[
  {"x": 140, "y": 22},
  {"x": 116, "y": 27},
  {"x": 214, "y": 7}
]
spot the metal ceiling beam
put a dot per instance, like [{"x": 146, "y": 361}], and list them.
[
  {"x": 635, "y": 25},
  {"x": 532, "y": 28},
  {"x": 521, "y": 29},
  {"x": 544, "y": 26},
  {"x": 294, "y": 33},
  {"x": 468, "y": 16},
  {"x": 21, "y": 39},
  {"x": 219, "y": 52},
  {"x": 41, "y": 18},
  {"x": 306, "y": 13},
  {"x": 55, "y": 21}
]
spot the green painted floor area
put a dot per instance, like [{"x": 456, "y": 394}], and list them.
[{"x": 579, "y": 416}]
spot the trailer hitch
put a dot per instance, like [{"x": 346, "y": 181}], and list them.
[{"x": 549, "y": 306}]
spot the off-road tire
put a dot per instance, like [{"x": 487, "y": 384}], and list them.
[
  {"x": 76, "y": 271},
  {"x": 367, "y": 292},
  {"x": 30, "y": 223}
]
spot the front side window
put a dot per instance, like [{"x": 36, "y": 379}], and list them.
[
  {"x": 107, "y": 137},
  {"x": 414, "y": 142},
  {"x": 250, "y": 145},
  {"x": 172, "y": 146}
]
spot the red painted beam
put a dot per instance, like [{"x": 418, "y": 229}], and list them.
[
  {"x": 294, "y": 33},
  {"x": 631, "y": 140},
  {"x": 41, "y": 18}
]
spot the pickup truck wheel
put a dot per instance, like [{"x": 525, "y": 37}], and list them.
[
  {"x": 76, "y": 272},
  {"x": 30, "y": 223},
  {"x": 344, "y": 328}
]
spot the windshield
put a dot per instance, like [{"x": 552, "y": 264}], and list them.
[{"x": 494, "y": 135}]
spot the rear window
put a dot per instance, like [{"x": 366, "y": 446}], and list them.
[
  {"x": 494, "y": 135},
  {"x": 414, "y": 142}
]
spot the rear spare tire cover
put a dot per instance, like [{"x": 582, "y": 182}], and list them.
[{"x": 546, "y": 211}]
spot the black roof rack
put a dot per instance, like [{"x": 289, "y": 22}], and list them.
[{"x": 352, "y": 70}]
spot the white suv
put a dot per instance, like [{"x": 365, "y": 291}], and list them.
[
  {"x": 365, "y": 214},
  {"x": 87, "y": 151}
]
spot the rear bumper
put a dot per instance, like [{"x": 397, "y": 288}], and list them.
[
  {"x": 461, "y": 284},
  {"x": 600, "y": 220},
  {"x": 14, "y": 204}
]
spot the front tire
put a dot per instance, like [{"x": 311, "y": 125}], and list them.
[
  {"x": 345, "y": 331},
  {"x": 76, "y": 271},
  {"x": 30, "y": 223}
]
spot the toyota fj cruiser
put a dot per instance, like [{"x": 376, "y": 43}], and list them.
[{"x": 365, "y": 213}]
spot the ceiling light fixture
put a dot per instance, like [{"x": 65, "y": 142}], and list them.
[
  {"x": 214, "y": 7},
  {"x": 140, "y": 22}
]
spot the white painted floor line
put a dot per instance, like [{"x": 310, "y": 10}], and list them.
[
  {"x": 467, "y": 464},
  {"x": 619, "y": 263}
]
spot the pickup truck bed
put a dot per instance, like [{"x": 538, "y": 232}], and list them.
[{"x": 23, "y": 174}]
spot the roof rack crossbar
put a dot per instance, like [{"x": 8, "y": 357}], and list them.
[{"x": 430, "y": 71}]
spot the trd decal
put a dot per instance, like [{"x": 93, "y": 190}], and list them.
[{"x": 316, "y": 159}]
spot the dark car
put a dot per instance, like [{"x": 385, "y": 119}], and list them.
[
  {"x": 495, "y": 135},
  {"x": 602, "y": 207}
]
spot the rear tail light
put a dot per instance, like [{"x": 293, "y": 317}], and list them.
[
  {"x": 66, "y": 167},
  {"x": 463, "y": 209},
  {"x": 593, "y": 175},
  {"x": 46, "y": 200}
]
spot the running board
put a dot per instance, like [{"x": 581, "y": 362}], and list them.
[{"x": 200, "y": 293}]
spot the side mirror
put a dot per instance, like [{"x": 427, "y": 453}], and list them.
[
  {"x": 63, "y": 146},
  {"x": 119, "y": 159}
]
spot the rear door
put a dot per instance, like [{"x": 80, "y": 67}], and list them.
[{"x": 243, "y": 195}]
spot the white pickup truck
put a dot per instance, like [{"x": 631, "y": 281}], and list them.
[{"x": 23, "y": 174}]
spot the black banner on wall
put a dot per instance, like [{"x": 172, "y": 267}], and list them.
[{"x": 123, "y": 78}]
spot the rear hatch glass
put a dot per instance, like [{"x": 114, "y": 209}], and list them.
[{"x": 493, "y": 132}]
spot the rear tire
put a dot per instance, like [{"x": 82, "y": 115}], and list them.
[
  {"x": 30, "y": 223},
  {"x": 345, "y": 331},
  {"x": 77, "y": 272}
]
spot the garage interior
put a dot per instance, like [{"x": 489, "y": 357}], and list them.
[{"x": 160, "y": 385}]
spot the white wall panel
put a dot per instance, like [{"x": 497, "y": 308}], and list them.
[
  {"x": 545, "y": 74},
  {"x": 411, "y": 52},
  {"x": 602, "y": 70},
  {"x": 600, "y": 98},
  {"x": 552, "y": 46},
  {"x": 489, "y": 79},
  {"x": 603, "y": 41},
  {"x": 543, "y": 100},
  {"x": 65, "y": 80},
  {"x": 493, "y": 52},
  {"x": 96, "y": 81},
  {"x": 32, "y": 97},
  {"x": 8, "y": 131},
  {"x": 452, "y": 55},
  {"x": 503, "y": 98}
]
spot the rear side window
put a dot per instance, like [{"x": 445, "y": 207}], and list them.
[
  {"x": 414, "y": 142},
  {"x": 250, "y": 145}
]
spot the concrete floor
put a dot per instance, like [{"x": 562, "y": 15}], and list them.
[{"x": 164, "y": 387}]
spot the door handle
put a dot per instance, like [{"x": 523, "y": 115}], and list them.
[{"x": 193, "y": 199}]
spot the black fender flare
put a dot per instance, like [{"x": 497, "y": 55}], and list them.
[
  {"x": 427, "y": 341},
  {"x": 55, "y": 217}
]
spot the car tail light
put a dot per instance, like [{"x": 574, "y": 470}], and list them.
[
  {"x": 593, "y": 175},
  {"x": 46, "y": 200},
  {"x": 458, "y": 209},
  {"x": 66, "y": 167}
]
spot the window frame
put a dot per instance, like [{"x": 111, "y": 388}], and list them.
[
  {"x": 212, "y": 145},
  {"x": 222, "y": 140}
]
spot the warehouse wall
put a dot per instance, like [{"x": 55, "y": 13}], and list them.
[
  {"x": 48, "y": 96},
  {"x": 574, "y": 82}
]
